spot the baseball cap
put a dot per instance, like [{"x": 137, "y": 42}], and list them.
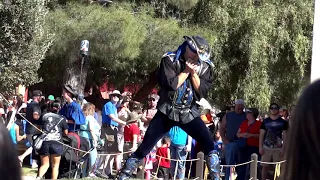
[
  {"x": 37, "y": 93},
  {"x": 51, "y": 97},
  {"x": 239, "y": 102},
  {"x": 199, "y": 45}
]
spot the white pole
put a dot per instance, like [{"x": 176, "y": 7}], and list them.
[{"x": 315, "y": 61}]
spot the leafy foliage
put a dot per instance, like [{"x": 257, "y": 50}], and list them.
[
  {"x": 260, "y": 48},
  {"x": 24, "y": 41}
]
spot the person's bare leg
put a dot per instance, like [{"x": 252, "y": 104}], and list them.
[
  {"x": 101, "y": 162},
  {"x": 45, "y": 163},
  {"x": 264, "y": 174},
  {"x": 105, "y": 163},
  {"x": 25, "y": 154},
  {"x": 55, "y": 162},
  {"x": 118, "y": 160},
  {"x": 110, "y": 165}
]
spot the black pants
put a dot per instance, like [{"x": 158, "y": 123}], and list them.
[
  {"x": 161, "y": 124},
  {"x": 163, "y": 173}
]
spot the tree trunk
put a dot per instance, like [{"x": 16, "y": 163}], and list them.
[
  {"x": 146, "y": 89},
  {"x": 73, "y": 75}
]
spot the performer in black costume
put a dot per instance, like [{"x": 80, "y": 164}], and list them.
[{"x": 185, "y": 76}]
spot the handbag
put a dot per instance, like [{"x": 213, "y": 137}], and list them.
[
  {"x": 38, "y": 139},
  {"x": 241, "y": 142}
]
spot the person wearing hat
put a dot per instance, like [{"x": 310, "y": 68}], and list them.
[
  {"x": 131, "y": 133},
  {"x": 33, "y": 114},
  {"x": 71, "y": 110},
  {"x": 228, "y": 131},
  {"x": 51, "y": 98},
  {"x": 185, "y": 76},
  {"x": 149, "y": 113},
  {"x": 109, "y": 130}
]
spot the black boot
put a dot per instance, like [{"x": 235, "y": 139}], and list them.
[{"x": 213, "y": 163}]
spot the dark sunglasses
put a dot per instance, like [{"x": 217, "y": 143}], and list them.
[{"x": 274, "y": 108}]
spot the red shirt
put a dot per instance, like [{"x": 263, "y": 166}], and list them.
[
  {"x": 254, "y": 129},
  {"x": 129, "y": 131},
  {"x": 163, "y": 152}
]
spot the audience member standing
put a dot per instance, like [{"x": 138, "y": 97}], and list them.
[
  {"x": 163, "y": 155},
  {"x": 228, "y": 130},
  {"x": 272, "y": 141},
  {"x": 109, "y": 130},
  {"x": 33, "y": 115}
]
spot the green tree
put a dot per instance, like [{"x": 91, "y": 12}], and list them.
[
  {"x": 125, "y": 45},
  {"x": 24, "y": 41},
  {"x": 260, "y": 45},
  {"x": 115, "y": 35},
  {"x": 256, "y": 46}
]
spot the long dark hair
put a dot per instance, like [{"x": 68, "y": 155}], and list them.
[
  {"x": 303, "y": 145},
  {"x": 9, "y": 164}
]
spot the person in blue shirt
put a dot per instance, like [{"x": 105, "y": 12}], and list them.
[
  {"x": 109, "y": 130},
  {"x": 179, "y": 148},
  {"x": 72, "y": 110}
]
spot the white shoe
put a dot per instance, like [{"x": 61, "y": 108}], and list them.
[
  {"x": 92, "y": 175},
  {"x": 34, "y": 165}
]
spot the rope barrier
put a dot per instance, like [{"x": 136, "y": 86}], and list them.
[
  {"x": 272, "y": 163},
  {"x": 187, "y": 160},
  {"x": 236, "y": 165},
  {"x": 114, "y": 154}
]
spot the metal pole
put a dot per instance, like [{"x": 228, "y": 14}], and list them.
[
  {"x": 81, "y": 69},
  {"x": 79, "y": 87},
  {"x": 315, "y": 62}
]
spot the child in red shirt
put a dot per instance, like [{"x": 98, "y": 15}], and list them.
[
  {"x": 163, "y": 155},
  {"x": 131, "y": 133}
]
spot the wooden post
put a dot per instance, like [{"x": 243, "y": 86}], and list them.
[
  {"x": 140, "y": 173},
  {"x": 254, "y": 167},
  {"x": 200, "y": 165}
]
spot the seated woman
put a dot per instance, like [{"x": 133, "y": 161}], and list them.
[{"x": 54, "y": 125}]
